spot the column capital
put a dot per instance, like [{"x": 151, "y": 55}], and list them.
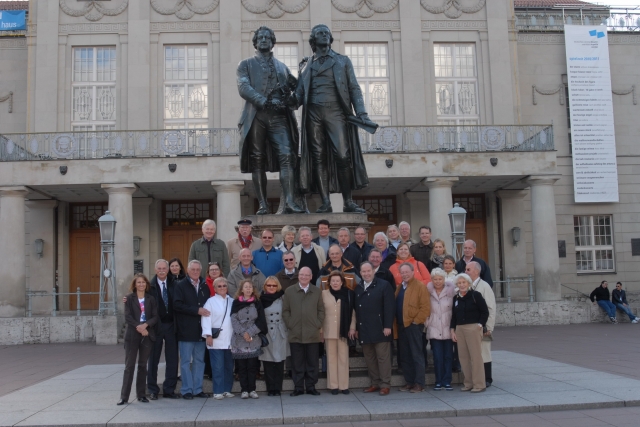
[
  {"x": 440, "y": 181},
  {"x": 535, "y": 180},
  {"x": 41, "y": 204},
  {"x": 15, "y": 191},
  {"x": 128, "y": 188},
  {"x": 227, "y": 186},
  {"x": 511, "y": 194}
]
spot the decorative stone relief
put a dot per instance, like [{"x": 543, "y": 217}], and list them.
[
  {"x": 365, "y": 8},
  {"x": 452, "y": 8},
  {"x": 559, "y": 90},
  {"x": 631, "y": 91},
  {"x": 276, "y": 25},
  {"x": 94, "y": 10},
  {"x": 98, "y": 27},
  {"x": 457, "y": 25},
  {"x": 185, "y": 26},
  {"x": 9, "y": 97},
  {"x": 185, "y": 9},
  {"x": 366, "y": 25},
  {"x": 274, "y": 8}
]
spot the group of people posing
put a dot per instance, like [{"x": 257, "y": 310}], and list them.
[{"x": 248, "y": 303}]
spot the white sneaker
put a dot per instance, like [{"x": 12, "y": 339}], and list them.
[
  {"x": 218, "y": 396},
  {"x": 254, "y": 395},
  {"x": 227, "y": 394},
  {"x": 635, "y": 320},
  {"x": 244, "y": 395}
]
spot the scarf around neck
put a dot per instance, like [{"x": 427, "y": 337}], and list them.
[
  {"x": 347, "y": 302},
  {"x": 268, "y": 299}
]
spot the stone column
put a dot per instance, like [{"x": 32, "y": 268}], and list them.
[
  {"x": 121, "y": 207},
  {"x": 12, "y": 251},
  {"x": 440, "y": 203},
  {"x": 229, "y": 207},
  {"x": 546, "y": 263}
]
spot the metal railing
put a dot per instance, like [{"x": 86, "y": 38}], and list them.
[
  {"x": 54, "y": 304},
  {"x": 554, "y": 19},
  {"x": 510, "y": 280},
  {"x": 225, "y": 142}
]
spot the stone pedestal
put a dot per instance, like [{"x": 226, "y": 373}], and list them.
[{"x": 337, "y": 220}]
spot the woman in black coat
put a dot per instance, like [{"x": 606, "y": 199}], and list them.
[{"x": 141, "y": 317}]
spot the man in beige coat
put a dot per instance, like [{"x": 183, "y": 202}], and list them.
[
  {"x": 473, "y": 269},
  {"x": 303, "y": 313},
  {"x": 244, "y": 240}
]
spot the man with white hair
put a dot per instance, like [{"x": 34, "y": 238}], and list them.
[
  {"x": 246, "y": 269},
  {"x": 309, "y": 254},
  {"x": 479, "y": 285},
  {"x": 209, "y": 249},
  {"x": 469, "y": 251},
  {"x": 405, "y": 233},
  {"x": 244, "y": 240}
]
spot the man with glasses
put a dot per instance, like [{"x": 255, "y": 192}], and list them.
[
  {"x": 268, "y": 259},
  {"x": 288, "y": 276},
  {"x": 619, "y": 299}
]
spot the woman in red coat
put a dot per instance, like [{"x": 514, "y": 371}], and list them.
[{"x": 403, "y": 255}]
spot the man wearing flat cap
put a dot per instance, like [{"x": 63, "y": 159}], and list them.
[{"x": 244, "y": 240}]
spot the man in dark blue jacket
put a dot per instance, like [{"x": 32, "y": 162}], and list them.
[
  {"x": 619, "y": 299},
  {"x": 469, "y": 251},
  {"x": 162, "y": 289},
  {"x": 191, "y": 293}
]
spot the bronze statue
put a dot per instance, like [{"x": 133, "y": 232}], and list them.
[
  {"x": 268, "y": 127},
  {"x": 331, "y": 157}
]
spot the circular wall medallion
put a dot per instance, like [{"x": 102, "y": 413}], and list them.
[
  {"x": 64, "y": 145},
  {"x": 173, "y": 142}
]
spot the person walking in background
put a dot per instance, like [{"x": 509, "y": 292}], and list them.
[
  {"x": 141, "y": 317},
  {"x": 438, "y": 327},
  {"x": 217, "y": 331},
  {"x": 600, "y": 296},
  {"x": 468, "y": 319},
  {"x": 339, "y": 326},
  {"x": 303, "y": 313},
  {"x": 375, "y": 309},
  {"x": 619, "y": 299},
  {"x": 248, "y": 321},
  {"x": 209, "y": 249},
  {"x": 274, "y": 355}
]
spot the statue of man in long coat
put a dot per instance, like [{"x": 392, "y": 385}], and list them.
[
  {"x": 331, "y": 157},
  {"x": 268, "y": 127}
]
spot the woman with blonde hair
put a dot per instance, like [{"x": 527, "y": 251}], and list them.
[
  {"x": 274, "y": 355},
  {"x": 339, "y": 326},
  {"x": 248, "y": 322},
  {"x": 438, "y": 254}
]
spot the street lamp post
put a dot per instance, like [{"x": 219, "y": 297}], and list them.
[
  {"x": 108, "y": 294},
  {"x": 458, "y": 219}
]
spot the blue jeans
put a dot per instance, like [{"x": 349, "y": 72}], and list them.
[
  {"x": 627, "y": 310},
  {"x": 191, "y": 366},
  {"x": 442, "y": 360},
  {"x": 221, "y": 370},
  {"x": 608, "y": 307}
]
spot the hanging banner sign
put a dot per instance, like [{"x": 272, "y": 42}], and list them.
[
  {"x": 595, "y": 169},
  {"x": 12, "y": 20}
]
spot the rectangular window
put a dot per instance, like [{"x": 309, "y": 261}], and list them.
[
  {"x": 186, "y": 87},
  {"x": 456, "y": 84},
  {"x": 287, "y": 53},
  {"x": 94, "y": 88},
  {"x": 594, "y": 243},
  {"x": 371, "y": 66}
]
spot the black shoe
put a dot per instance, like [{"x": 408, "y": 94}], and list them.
[
  {"x": 288, "y": 374},
  {"x": 296, "y": 393},
  {"x": 202, "y": 394},
  {"x": 335, "y": 391},
  {"x": 488, "y": 384},
  {"x": 122, "y": 402},
  {"x": 276, "y": 393},
  {"x": 270, "y": 393},
  {"x": 153, "y": 396},
  {"x": 345, "y": 391},
  {"x": 313, "y": 392},
  {"x": 351, "y": 206},
  {"x": 171, "y": 396},
  {"x": 325, "y": 208},
  {"x": 187, "y": 396},
  {"x": 143, "y": 399}
]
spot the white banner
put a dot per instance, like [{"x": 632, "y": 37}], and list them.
[{"x": 595, "y": 170}]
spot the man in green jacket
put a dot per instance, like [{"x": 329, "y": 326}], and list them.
[
  {"x": 303, "y": 313},
  {"x": 209, "y": 249}
]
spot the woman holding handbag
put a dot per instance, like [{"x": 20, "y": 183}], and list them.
[
  {"x": 217, "y": 330},
  {"x": 248, "y": 322}
]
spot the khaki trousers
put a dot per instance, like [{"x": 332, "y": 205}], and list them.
[
  {"x": 337, "y": 363},
  {"x": 378, "y": 359},
  {"x": 470, "y": 353}
]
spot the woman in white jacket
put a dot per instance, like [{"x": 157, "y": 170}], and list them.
[
  {"x": 438, "y": 327},
  {"x": 219, "y": 306}
]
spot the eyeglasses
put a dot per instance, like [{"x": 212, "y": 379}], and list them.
[
  {"x": 221, "y": 286},
  {"x": 288, "y": 259},
  {"x": 267, "y": 238},
  {"x": 270, "y": 286}
]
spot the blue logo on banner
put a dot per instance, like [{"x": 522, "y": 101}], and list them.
[
  {"x": 596, "y": 33},
  {"x": 12, "y": 20}
]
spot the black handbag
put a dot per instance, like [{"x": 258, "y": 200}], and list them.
[
  {"x": 215, "y": 332},
  {"x": 264, "y": 339}
]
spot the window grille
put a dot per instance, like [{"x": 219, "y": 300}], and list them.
[
  {"x": 594, "y": 243},
  {"x": 94, "y": 89},
  {"x": 456, "y": 84}
]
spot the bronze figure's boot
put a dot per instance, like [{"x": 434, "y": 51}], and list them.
[
  {"x": 287, "y": 181},
  {"x": 323, "y": 189},
  {"x": 346, "y": 183},
  {"x": 260, "y": 185}
]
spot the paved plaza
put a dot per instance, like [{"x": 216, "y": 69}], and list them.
[{"x": 588, "y": 378}]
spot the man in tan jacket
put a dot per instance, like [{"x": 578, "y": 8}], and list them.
[
  {"x": 413, "y": 307},
  {"x": 244, "y": 240}
]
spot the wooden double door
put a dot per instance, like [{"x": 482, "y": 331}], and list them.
[
  {"x": 84, "y": 255},
  {"x": 176, "y": 242}
]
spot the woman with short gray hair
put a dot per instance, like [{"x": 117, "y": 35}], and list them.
[
  {"x": 288, "y": 234},
  {"x": 441, "y": 291},
  {"x": 381, "y": 243}
]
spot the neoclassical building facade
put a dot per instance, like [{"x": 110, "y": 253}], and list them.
[{"x": 132, "y": 106}]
